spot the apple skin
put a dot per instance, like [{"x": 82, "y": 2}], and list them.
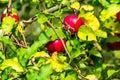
[
  {"x": 113, "y": 45},
  {"x": 11, "y": 15},
  {"x": 56, "y": 46},
  {"x": 118, "y": 16},
  {"x": 72, "y": 23}
]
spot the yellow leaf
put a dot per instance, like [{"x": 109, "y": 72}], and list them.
[
  {"x": 87, "y": 7},
  {"x": 109, "y": 12},
  {"x": 11, "y": 63},
  {"x": 40, "y": 54},
  {"x": 91, "y": 77},
  {"x": 75, "y": 5},
  {"x": 57, "y": 65},
  {"x": 20, "y": 28},
  {"x": 91, "y": 21}
]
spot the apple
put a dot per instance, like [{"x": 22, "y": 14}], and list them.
[
  {"x": 118, "y": 16},
  {"x": 113, "y": 45},
  {"x": 56, "y": 46},
  {"x": 72, "y": 23},
  {"x": 11, "y": 15}
]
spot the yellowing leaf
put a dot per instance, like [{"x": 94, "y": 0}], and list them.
[
  {"x": 57, "y": 65},
  {"x": 91, "y": 77},
  {"x": 20, "y": 28},
  {"x": 11, "y": 63},
  {"x": 40, "y": 54},
  {"x": 91, "y": 21},
  {"x": 75, "y": 5},
  {"x": 109, "y": 12},
  {"x": 86, "y": 33},
  {"x": 87, "y": 7}
]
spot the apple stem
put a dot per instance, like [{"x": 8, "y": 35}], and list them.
[
  {"x": 9, "y": 6},
  {"x": 59, "y": 38}
]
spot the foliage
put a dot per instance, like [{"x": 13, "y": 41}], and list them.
[{"x": 23, "y": 52}]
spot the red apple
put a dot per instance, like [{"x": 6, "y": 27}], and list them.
[
  {"x": 11, "y": 15},
  {"x": 72, "y": 23},
  {"x": 56, "y": 46},
  {"x": 113, "y": 45},
  {"x": 118, "y": 16}
]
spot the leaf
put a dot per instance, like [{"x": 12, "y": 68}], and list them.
[
  {"x": 12, "y": 63},
  {"x": 91, "y": 77},
  {"x": 111, "y": 72},
  {"x": 96, "y": 53},
  {"x": 57, "y": 65},
  {"x": 113, "y": 39},
  {"x": 31, "y": 75},
  {"x": 86, "y": 33},
  {"x": 112, "y": 10},
  {"x": 75, "y": 5},
  {"x": 71, "y": 76},
  {"x": 101, "y": 33},
  {"x": 114, "y": 1},
  {"x": 45, "y": 72},
  {"x": 4, "y": 1},
  {"x": 7, "y": 24},
  {"x": 91, "y": 21},
  {"x": 87, "y": 7},
  {"x": 104, "y": 3},
  {"x": 40, "y": 54},
  {"x": 41, "y": 18}
]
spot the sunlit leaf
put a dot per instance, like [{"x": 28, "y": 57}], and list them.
[
  {"x": 101, "y": 33},
  {"x": 91, "y": 77},
  {"x": 12, "y": 63},
  {"x": 57, "y": 65},
  {"x": 86, "y": 33},
  {"x": 112, "y": 10},
  {"x": 20, "y": 28},
  {"x": 40, "y": 54},
  {"x": 114, "y": 1},
  {"x": 41, "y": 18},
  {"x": 111, "y": 72},
  {"x": 71, "y": 76},
  {"x": 87, "y": 7},
  {"x": 94, "y": 52},
  {"x": 105, "y": 3},
  {"x": 75, "y": 5},
  {"x": 91, "y": 21},
  {"x": 7, "y": 24},
  {"x": 4, "y": 1}
]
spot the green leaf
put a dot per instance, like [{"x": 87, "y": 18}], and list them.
[
  {"x": 4, "y": 1},
  {"x": 31, "y": 75},
  {"x": 11, "y": 63},
  {"x": 7, "y": 24},
  {"x": 101, "y": 34},
  {"x": 86, "y": 33},
  {"x": 113, "y": 39},
  {"x": 45, "y": 72},
  {"x": 112, "y": 10},
  {"x": 115, "y": 1},
  {"x": 105, "y": 3},
  {"x": 41, "y": 18},
  {"x": 111, "y": 72},
  {"x": 96, "y": 53},
  {"x": 71, "y": 76}
]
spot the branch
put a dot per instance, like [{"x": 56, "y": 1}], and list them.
[
  {"x": 9, "y": 6},
  {"x": 59, "y": 38}
]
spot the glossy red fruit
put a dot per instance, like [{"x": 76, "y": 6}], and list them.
[
  {"x": 11, "y": 15},
  {"x": 113, "y": 45},
  {"x": 56, "y": 46},
  {"x": 72, "y": 23},
  {"x": 118, "y": 16}
]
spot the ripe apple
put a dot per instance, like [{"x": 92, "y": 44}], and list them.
[
  {"x": 56, "y": 46},
  {"x": 113, "y": 45},
  {"x": 72, "y": 23},
  {"x": 118, "y": 16},
  {"x": 11, "y": 15}
]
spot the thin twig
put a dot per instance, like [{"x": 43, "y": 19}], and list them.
[
  {"x": 9, "y": 6},
  {"x": 24, "y": 40},
  {"x": 59, "y": 38}
]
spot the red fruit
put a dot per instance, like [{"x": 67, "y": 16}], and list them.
[
  {"x": 11, "y": 15},
  {"x": 118, "y": 16},
  {"x": 56, "y": 46},
  {"x": 72, "y": 23}
]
